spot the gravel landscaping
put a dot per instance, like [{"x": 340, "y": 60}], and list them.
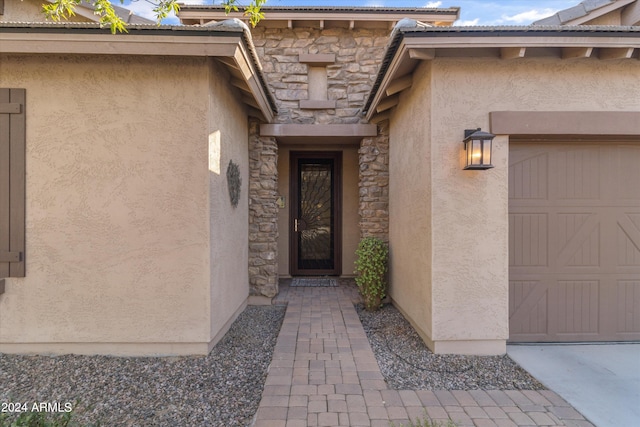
[
  {"x": 225, "y": 387},
  {"x": 221, "y": 389},
  {"x": 407, "y": 363}
]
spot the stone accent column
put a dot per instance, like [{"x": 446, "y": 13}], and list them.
[
  {"x": 374, "y": 184},
  {"x": 263, "y": 213}
]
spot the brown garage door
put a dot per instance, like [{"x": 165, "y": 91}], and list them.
[{"x": 574, "y": 242}]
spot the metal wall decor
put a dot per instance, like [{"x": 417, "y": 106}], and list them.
[{"x": 234, "y": 182}]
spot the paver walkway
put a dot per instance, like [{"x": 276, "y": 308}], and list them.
[{"x": 324, "y": 373}]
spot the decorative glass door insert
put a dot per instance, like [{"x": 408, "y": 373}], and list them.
[{"x": 315, "y": 213}]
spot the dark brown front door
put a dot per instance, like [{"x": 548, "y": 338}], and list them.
[{"x": 315, "y": 213}]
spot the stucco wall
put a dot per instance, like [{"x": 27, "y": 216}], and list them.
[
  {"x": 229, "y": 226},
  {"x": 29, "y": 11},
  {"x": 410, "y": 239},
  {"x": 118, "y": 189},
  {"x": 469, "y": 209},
  {"x": 350, "y": 229}
]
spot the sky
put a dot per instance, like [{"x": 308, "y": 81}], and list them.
[{"x": 472, "y": 12}]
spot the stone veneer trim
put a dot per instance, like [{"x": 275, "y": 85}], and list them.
[
  {"x": 263, "y": 214},
  {"x": 374, "y": 185}
]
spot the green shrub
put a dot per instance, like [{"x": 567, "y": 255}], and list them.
[
  {"x": 42, "y": 419},
  {"x": 371, "y": 267},
  {"x": 37, "y": 419}
]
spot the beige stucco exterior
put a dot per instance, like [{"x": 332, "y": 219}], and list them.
[
  {"x": 459, "y": 267},
  {"x": 132, "y": 245},
  {"x": 31, "y": 11},
  {"x": 229, "y": 226},
  {"x": 410, "y": 208}
]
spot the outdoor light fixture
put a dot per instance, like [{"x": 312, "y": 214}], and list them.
[{"x": 477, "y": 144}]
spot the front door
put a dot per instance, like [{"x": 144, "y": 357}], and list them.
[{"x": 315, "y": 213}]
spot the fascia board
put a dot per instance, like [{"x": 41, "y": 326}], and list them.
[
  {"x": 109, "y": 44},
  {"x": 401, "y": 52},
  {"x": 475, "y": 42},
  {"x": 250, "y": 75},
  {"x": 311, "y": 16}
]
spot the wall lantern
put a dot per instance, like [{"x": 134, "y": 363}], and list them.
[{"x": 477, "y": 145}]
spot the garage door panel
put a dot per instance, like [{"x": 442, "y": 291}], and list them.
[
  {"x": 629, "y": 307},
  {"x": 627, "y": 172},
  {"x": 528, "y": 232},
  {"x": 528, "y": 175},
  {"x": 574, "y": 251},
  {"x": 578, "y": 307},
  {"x": 628, "y": 242},
  {"x": 528, "y": 304},
  {"x": 576, "y": 173},
  {"x": 578, "y": 240}
]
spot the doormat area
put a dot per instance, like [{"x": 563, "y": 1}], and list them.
[{"x": 313, "y": 282}]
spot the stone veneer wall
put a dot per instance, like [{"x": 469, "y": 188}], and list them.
[
  {"x": 374, "y": 184},
  {"x": 263, "y": 213},
  {"x": 358, "y": 54}
]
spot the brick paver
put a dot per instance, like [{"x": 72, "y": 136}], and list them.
[{"x": 324, "y": 373}]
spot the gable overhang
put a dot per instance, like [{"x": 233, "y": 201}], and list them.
[
  {"x": 611, "y": 7},
  {"x": 412, "y": 43},
  {"x": 587, "y": 11},
  {"x": 228, "y": 44}
]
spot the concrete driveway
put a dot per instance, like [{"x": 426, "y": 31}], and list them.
[{"x": 602, "y": 381}]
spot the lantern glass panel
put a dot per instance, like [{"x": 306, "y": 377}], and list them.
[
  {"x": 476, "y": 145},
  {"x": 486, "y": 152}
]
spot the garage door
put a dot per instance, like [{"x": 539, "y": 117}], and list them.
[{"x": 574, "y": 242}]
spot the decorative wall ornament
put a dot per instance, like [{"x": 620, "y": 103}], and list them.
[{"x": 234, "y": 182}]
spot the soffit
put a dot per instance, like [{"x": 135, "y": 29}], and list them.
[
  {"x": 413, "y": 42},
  {"x": 228, "y": 42}
]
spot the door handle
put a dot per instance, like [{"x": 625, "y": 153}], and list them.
[{"x": 295, "y": 225}]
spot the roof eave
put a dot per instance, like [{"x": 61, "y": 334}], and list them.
[
  {"x": 194, "y": 14},
  {"x": 230, "y": 44},
  {"x": 410, "y": 45}
]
